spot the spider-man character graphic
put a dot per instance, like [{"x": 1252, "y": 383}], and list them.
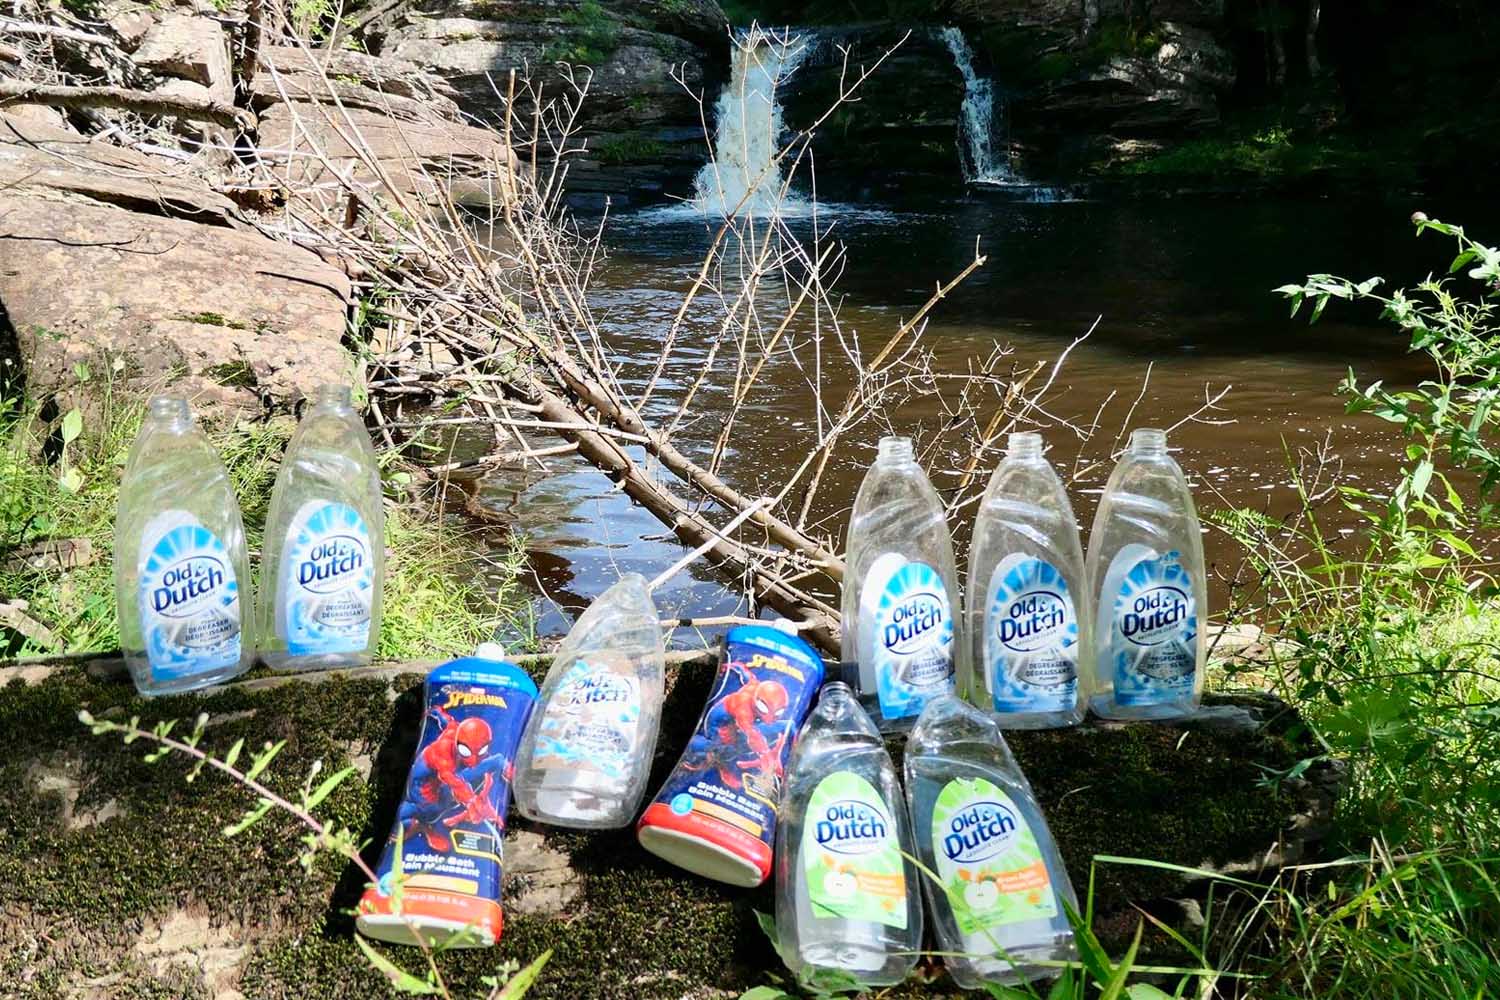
[
  {"x": 442, "y": 792},
  {"x": 743, "y": 731}
]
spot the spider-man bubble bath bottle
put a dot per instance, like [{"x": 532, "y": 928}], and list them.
[
  {"x": 716, "y": 813},
  {"x": 439, "y": 875}
]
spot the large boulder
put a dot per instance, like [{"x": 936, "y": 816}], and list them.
[
  {"x": 188, "y": 47},
  {"x": 395, "y": 87},
  {"x": 1168, "y": 91},
  {"x": 646, "y": 65},
  {"x": 112, "y": 264},
  {"x": 104, "y": 854},
  {"x": 336, "y": 120},
  {"x": 315, "y": 147}
]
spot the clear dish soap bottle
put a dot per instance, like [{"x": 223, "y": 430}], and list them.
[
  {"x": 900, "y": 599},
  {"x": 1146, "y": 577},
  {"x": 181, "y": 570},
  {"x": 588, "y": 748},
  {"x": 997, "y": 904},
  {"x": 848, "y": 910},
  {"x": 324, "y": 563},
  {"x": 1028, "y": 606}
]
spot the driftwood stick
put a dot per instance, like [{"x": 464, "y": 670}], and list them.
[
  {"x": 123, "y": 99},
  {"x": 250, "y": 54},
  {"x": 11, "y": 26}
]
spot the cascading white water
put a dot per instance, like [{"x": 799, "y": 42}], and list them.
[
  {"x": 978, "y": 110},
  {"x": 743, "y": 171}
]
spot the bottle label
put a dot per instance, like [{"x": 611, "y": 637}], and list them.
[
  {"x": 188, "y": 597},
  {"x": 851, "y": 855},
  {"x": 988, "y": 860},
  {"x": 443, "y": 858},
  {"x": 591, "y": 720},
  {"x": 1153, "y": 628},
  {"x": 327, "y": 581},
  {"x": 1030, "y": 637},
  {"x": 726, "y": 788},
  {"x": 913, "y": 641}
]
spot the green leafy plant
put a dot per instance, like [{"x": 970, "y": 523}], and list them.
[
  {"x": 1391, "y": 648},
  {"x": 1094, "y": 974},
  {"x": 311, "y": 19}
]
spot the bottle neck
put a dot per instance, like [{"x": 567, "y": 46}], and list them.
[
  {"x": 895, "y": 451},
  {"x": 169, "y": 411},
  {"x": 1148, "y": 442},
  {"x": 333, "y": 396},
  {"x": 1024, "y": 447}
]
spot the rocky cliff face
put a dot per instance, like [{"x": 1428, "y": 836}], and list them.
[
  {"x": 901, "y": 123},
  {"x": 645, "y": 63},
  {"x": 1093, "y": 82},
  {"x": 197, "y": 261}
]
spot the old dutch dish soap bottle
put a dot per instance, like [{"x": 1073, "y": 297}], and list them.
[
  {"x": 180, "y": 560},
  {"x": 847, "y": 903},
  {"x": 324, "y": 561},
  {"x": 1145, "y": 570},
  {"x": 588, "y": 748},
  {"x": 900, "y": 601},
  {"x": 1000, "y": 889},
  {"x": 1027, "y": 605}
]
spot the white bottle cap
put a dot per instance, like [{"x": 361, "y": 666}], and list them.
[{"x": 490, "y": 651}]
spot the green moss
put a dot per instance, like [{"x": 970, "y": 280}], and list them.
[
  {"x": 1262, "y": 151},
  {"x": 233, "y": 373},
  {"x": 590, "y": 36},
  {"x": 634, "y": 147},
  {"x": 211, "y": 319},
  {"x": 95, "y": 888}
]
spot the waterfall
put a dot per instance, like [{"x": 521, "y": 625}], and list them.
[
  {"x": 978, "y": 117},
  {"x": 747, "y": 136}
]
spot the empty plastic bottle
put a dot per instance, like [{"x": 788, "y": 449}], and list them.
[
  {"x": 848, "y": 909},
  {"x": 181, "y": 570},
  {"x": 900, "y": 600},
  {"x": 588, "y": 748},
  {"x": 1145, "y": 570},
  {"x": 324, "y": 564},
  {"x": 1027, "y": 608},
  {"x": 997, "y": 903}
]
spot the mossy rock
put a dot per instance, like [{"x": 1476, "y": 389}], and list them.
[{"x": 119, "y": 882}]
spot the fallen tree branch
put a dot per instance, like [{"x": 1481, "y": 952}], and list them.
[
  {"x": 141, "y": 102},
  {"x": 819, "y": 621}
]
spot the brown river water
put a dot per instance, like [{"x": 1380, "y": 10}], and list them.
[{"x": 1181, "y": 287}]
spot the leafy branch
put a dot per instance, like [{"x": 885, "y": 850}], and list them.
[{"x": 510, "y": 984}]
